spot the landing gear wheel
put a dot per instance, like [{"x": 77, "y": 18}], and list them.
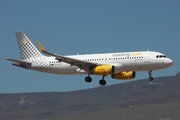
[
  {"x": 150, "y": 78},
  {"x": 88, "y": 79},
  {"x": 102, "y": 82}
]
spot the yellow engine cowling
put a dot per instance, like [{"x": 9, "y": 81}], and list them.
[
  {"x": 103, "y": 70},
  {"x": 124, "y": 75}
]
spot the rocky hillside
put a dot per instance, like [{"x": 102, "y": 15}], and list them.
[{"x": 140, "y": 92}]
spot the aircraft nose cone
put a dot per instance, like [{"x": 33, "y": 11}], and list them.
[{"x": 169, "y": 62}]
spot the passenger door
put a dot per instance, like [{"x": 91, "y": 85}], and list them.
[{"x": 147, "y": 58}]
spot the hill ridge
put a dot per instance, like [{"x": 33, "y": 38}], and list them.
[{"x": 141, "y": 92}]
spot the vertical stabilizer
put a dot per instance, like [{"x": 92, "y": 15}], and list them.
[{"x": 26, "y": 47}]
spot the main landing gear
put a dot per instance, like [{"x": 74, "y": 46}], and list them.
[
  {"x": 150, "y": 73},
  {"x": 88, "y": 79},
  {"x": 101, "y": 82}
]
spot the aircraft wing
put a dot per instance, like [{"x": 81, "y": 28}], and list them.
[
  {"x": 79, "y": 63},
  {"x": 18, "y": 61}
]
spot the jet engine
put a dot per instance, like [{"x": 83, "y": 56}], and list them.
[
  {"x": 124, "y": 75},
  {"x": 103, "y": 70}
]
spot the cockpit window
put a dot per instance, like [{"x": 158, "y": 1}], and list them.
[{"x": 160, "y": 56}]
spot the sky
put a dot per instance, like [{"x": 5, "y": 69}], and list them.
[{"x": 68, "y": 27}]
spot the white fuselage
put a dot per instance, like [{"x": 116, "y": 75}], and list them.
[
  {"x": 120, "y": 65},
  {"x": 125, "y": 61}
]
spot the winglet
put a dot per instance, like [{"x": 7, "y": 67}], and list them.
[{"x": 40, "y": 46}]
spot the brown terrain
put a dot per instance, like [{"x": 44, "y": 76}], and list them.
[{"x": 136, "y": 100}]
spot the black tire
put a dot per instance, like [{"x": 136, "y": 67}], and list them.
[
  {"x": 102, "y": 82},
  {"x": 88, "y": 79},
  {"x": 150, "y": 78}
]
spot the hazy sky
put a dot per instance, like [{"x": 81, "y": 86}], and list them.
[{"x": 68, "y": 27}]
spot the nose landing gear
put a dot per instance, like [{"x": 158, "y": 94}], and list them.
[{"x": 150, "y": 73}]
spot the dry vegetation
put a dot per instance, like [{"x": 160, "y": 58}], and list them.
[{"x": 142, "y": 100}]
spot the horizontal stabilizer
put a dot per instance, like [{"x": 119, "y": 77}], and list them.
[{"x": 19, "y": 61}]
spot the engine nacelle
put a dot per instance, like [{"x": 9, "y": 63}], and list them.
[
  {"x": 124, "y": 75},
  {"x": 103, "y": 70}
]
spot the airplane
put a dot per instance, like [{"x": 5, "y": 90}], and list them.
[{"x": 120, "y": 65}]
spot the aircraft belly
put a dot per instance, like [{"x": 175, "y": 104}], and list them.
[
  {"x": 62, "y": 69},
  {"x": 143, "y": 67},
  {"x": 56, "y": 68},
  {"x": 135, "y": 67}
]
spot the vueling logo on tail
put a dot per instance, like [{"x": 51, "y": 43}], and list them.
[
  {"x": 26, "y": 47},
  {"x": 25, "y": 42}
]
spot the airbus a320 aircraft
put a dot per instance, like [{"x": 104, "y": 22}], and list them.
[{"x": 121, "y": 65}]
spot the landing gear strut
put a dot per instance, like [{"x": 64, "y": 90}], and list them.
[
  {"x": 150, "y": 73},
  {"x": 102, "y": 81}
]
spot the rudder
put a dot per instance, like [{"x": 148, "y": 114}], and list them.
[{"x": 26, "y": 47}]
